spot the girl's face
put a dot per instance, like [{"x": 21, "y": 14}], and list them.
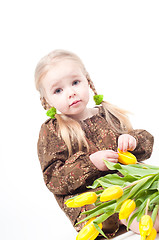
[{"x": 66, "y": 88}]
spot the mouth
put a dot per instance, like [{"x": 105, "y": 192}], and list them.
[{"x": 75, "y": 102}]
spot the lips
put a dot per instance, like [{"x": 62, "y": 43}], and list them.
[{"x": 75, "y": 102}]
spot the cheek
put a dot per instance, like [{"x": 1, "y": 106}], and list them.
[
  {"x": 52, "y": 101},
  {"x": 59, "y": 103},
  {"x": 85, "y": 93},
  {"x": 49, "y": 100}
]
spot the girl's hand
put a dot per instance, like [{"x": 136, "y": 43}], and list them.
[
  {"x": 126, "y": 142},
  {"x": 98, "y": 157}
]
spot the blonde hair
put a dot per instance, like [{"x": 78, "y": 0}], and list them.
[{"x": 68, "y": 128}]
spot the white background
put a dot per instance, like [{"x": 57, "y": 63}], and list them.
[{"x": 118, "y": 42}]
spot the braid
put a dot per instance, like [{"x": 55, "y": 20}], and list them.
[
  {"x": 91, "y": 84},
  {"x": 44, "y": 103},
  {"x": 111, "y": 111}
]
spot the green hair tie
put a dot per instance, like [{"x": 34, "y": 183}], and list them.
[
  {"x": 51, "y": 112},
  {"x": 98, "y": 99}
]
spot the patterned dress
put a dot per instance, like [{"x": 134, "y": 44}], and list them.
[{"x": 67, "y": 176}]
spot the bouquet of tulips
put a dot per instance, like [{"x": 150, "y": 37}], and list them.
[{"x": 131, "y": 195}]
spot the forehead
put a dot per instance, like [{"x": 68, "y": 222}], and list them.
[{"x": 63, "y": 69}]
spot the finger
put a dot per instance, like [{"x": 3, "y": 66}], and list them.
[
  {"x": 112, "y": 154},
  {"x": 120, "y": 144},
  {"x": 125, "y": 145},
  {"x": 112, "y": 160},
  {"x": 132, "y": 144}
]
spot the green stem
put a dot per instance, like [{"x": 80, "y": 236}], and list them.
[
  {"x": 136, "y": 182},
  {"x": 147, "y": 206}
]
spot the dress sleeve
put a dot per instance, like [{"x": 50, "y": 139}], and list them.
[
  {"x": 145, "y": 142},
  {"x": 62, "y": 174}
]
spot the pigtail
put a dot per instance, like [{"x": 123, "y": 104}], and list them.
[
  {"x": 68, "y": 129},
  {"x": 71, "y": 132},
  {"x": 122, "y": 123},
  {"x": 44, "y": 103},
  {"x": 91, "y": 84}
]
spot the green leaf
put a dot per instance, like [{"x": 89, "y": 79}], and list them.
[
  {"x": 98, "y": 212},
  {"x": 139, "y": 170},
  {"x": 155, "y": 185},
  {"x": 94, "y": 214},
  {"x": 142, "y": 207},
  {"x": 99, "y": 229},
  {"x": 146, "y": 185},
  {"x": 154, "y": 213},
  {"x": 136, "y": 188},
  {"x": 103, "y": 217},
  {"x": 122, "y": 198},
  {"x": 155, "y": 200},
  {"x": 113, "y": 179},
  {"x": 103, "y": 205},
  {"x": 141, "y": 197},
  {"x": 113, "y": 166},
  {"x": 141, "y": 210}
]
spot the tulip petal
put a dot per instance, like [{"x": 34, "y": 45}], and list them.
[
  {"x": 126, "y": 158},
  {"x": 127, "y": 208},
  {"x": 111, "y": 193},
  {"x": 82, "y": 200},
  {"x": 145, "y": 225},
  {"x": 152, "y": 235},
  {"x": 88, "y": 231}
]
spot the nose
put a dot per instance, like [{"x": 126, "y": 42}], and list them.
[{"x": 71, "y": 93}]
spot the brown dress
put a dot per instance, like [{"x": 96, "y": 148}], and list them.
[{"x": 67, "y": 176}]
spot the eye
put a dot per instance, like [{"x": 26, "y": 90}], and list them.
[
  {"x": 76, "y": 82},
  {"x": 57, "y": 91}
]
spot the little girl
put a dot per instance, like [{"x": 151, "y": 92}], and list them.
[{"x": 73, "y": 143}]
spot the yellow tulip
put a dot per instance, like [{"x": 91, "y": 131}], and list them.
[
  {"x": 111, "y": 193},
  {"x": 126, "y": 209},
  {"x": 88, "y": 231},
  {"x": 145, "y": 226},
  {"x": 152, "y": 235},
  {"x": 82, "y": 199},
  {"x": 126, "y": 157}
]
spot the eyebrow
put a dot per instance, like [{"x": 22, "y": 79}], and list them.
[{"x": 53, "y": 85}]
